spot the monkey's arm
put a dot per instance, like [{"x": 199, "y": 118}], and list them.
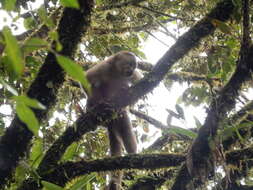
[
  {"x": 136, "y": 76},
  {"x": 96, "y": 74}
]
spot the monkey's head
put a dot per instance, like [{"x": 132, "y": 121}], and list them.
[{"x": 125, "y": 63}]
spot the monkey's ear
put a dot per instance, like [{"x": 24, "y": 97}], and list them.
[
  {"x": 110, "y": 59},
  {"x": 113, "y": 59}
]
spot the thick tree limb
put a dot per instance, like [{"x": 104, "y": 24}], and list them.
[
  {"x": 14, "y": 143},
  {"x": 199, "y": 160},
  {"x": 70, "y": 170}
]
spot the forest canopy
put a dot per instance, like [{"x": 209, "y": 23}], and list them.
[{"x": 49, "y": 141}]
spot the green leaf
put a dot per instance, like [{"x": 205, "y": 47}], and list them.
[
  {"x": 13, "y": 53},
  {"x": 54, "y": 35},
  {"x": 70, "y": 152},
  {"x": 99, "y": 2},
  {"x": 36, "y": 154},
  {"x": 222, "y": 26},
  {"x": 20, "y": 174},
  {"x": 2, "y": 126},
  {"x": 43, "y": 15},
  {"x": 182, "y": 131},
  {"x": 79, "y": 184},
  {"x": 8, "y": 87},
  {"x": 29, "y": 23},
  {"x": 58, "y": 46},
  {"x": 70, "y": 3},
  {"x": 34, "y": 44},
  {"x": 27, "y": 116},
  {"x": 9, "y": 5},
  {"x": 29, "y": 102},
  {"x": 50, "y": 186},
  {"x": 74, "y": 70},
  {"x": 88, "y": 186}
]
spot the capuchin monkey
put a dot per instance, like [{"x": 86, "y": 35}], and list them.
[{"x": 107, "y": 79}]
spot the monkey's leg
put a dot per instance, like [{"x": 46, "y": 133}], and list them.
[
  {"x": 115, "y": 139},
  {"x": 120, "y": 129},
  {"x": 115, "y": 150},
  {"x": 126, "y": 133}
]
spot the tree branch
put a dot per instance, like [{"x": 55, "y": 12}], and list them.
[
  {"x": 69, "y": 170},
  {"x": 158, "y": 124},
  {"x": 199, "y": 160}
]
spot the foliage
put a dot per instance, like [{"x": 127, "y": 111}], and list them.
[{"x": 115, "y": 26}]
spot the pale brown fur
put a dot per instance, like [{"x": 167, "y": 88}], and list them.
[{"x": 107, "y": 80}]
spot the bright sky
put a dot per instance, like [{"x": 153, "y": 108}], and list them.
[{"x": 163, "y": 98}]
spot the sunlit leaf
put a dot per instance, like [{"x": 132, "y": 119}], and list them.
[
  {"x": 34, "y": 44},
  {"x": 36, "y": 153},
  {"x": 13, "y": 53},
  {"x": 29, "y": 102},
  {"x": 70, "y": 152},
  {"x": 20, "y": 174},
  {"x": 182, "y": 131},
  {"x": 50, "y": 186},
  {"x": 74, "y": 70},
  {"x": 54, "y": 35},
  {"x": 70, "y": 3},
  {"x": 8, "y": 87},
  {"x": 43, "y": 15},
  {"x": 29, "y": 23},
  {"x": 80, "y": 183},
  {"x": 9, "y": 4},
  {"x": 58, "y": 46},
  {"x": 27, "y": 116},
  {"x": 2, "y": 126},
  {"x": 99, "y": 2},
  {"x": 88, "y": 186}
]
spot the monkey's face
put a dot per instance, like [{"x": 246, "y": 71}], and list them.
[{"x": 127, "y": 66}]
